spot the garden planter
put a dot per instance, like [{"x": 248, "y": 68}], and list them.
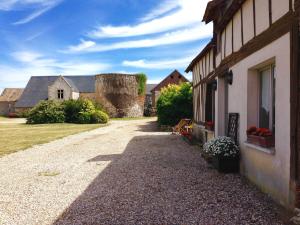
[
  {"x": 266, "y": 142},
  {"x": 226, "y": 164}
]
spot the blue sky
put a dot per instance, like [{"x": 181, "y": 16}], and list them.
[{"x": 82, "y": 37}]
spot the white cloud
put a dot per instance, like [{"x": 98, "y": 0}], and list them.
[
  {"x": 38, "y": 7},
  {"x": 164, "y": 7},
  {"x": 159, "y": 64},
  {"x": 190, "y": 12},
  {"x": 82, "y": 46},
  {"x": 176, "y": 37},
  {"x": 26, "y": 56},
  {"x": 33, "y": 64}
]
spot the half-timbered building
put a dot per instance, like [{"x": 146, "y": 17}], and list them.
[{"x": 251, "y": 68}]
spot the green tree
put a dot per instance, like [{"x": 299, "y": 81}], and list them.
[{"x": 175, "y": 103}]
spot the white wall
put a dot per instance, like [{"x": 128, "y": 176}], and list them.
[
  {"x": 270, "y": 172},
  {"x": 261, "y": 13},
  {"x": 279, "y": 9},
  {"x": 237, "y": 31},
  {"x": 248, "y": 22},
  {"x": 228, "y": 50}
]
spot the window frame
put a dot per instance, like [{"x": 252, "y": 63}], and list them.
[
  {"x": 60, "y": 94},
  {"x": 271, "y": 95}
]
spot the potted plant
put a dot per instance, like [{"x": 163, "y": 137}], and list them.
[
  {"x": 224, "y": 154},
  {"x": 260, "y": 136},
  {"x": 209, "y": 125}
]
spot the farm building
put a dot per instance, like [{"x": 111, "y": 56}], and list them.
[
  {"x": 8, "y": 99},
  {"x": 251, "y": 69},
  {"x": 174, "y": 78},
  {"x": 117, "y": 93}
]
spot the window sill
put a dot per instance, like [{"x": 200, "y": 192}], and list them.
[{"x": 270, "y": 151}]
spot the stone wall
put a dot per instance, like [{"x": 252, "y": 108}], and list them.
[
  {"x": 89, "y": 96},
  {"x": 118, "y": 94},
  {"x": 61, "y": 84},
  {"x": 4, "y": 108}
]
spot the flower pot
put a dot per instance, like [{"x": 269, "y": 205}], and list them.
[
  {"x": 266, "y": 142},
  {"x": 226, "y": 164}
]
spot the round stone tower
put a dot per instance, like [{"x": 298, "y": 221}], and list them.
[{"x": 118, "y": 94}]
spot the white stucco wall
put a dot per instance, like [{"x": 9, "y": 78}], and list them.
[
  {"x": 228, "y": 50},
  {"x": 279, "y": 9},
  {"x": 261, "y": 14},
  {"x": 223, "y": 45},
  {"x": 211, "y": 60},
  {"x": 237, "y": 27},
  {"x": 75, "y": 95},
  {"x": 248, "y": 22},
  {"x": 270, "y": 172}
]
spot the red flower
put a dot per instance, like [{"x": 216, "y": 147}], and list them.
[
  {"x": 209, "y": 123},
  {"x": 263, "y": 132}
]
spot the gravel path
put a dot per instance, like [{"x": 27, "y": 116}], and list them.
[{"x": 126, "y": 173}]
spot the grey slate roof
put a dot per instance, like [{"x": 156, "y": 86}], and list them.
[
  {"x": 149, "y": 87},
  {"x": 37, "y": 88}
]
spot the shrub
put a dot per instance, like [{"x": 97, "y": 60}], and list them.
[
  {"x": 23, "y": 114},
  {"x": 175, "y": 103},
  {"x": 46, "y": 112},
  {"x": 76, "y": 110},
  {"x": 142, "y": 80},
  {"x": 70, "y": 111},
  {"x": 99, "y": 117},
  {"x": 221, "y": 146},
  {"x": 96, "y": 116}
]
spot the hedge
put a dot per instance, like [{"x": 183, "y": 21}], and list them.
[
  {"x": 71, "y": 111},
  {"x": 175, "y": 103}
]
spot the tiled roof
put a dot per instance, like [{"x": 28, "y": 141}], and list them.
[
  {"x": 149, "y": 87},
  {"x": 165, "y": 82},
  {"x": 11, "y": 94},
  {"x": 37, "y": 88}
]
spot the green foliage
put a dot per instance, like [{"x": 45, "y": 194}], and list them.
[
  {"x": 84, "y": 111},
  {"x": 71, "y": 111},
  {"x": 99, "y": 117},
  {"x": 75, "y": 108},
  {"x": 96, "y": 116},
  {"x": 175, "y": 103},
  {"x": 46, "y": 112},
  {"x": 142, "y": 80},
  {"x": 23, "y": 114}
]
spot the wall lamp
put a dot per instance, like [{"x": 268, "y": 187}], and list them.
[
  {"x": 214, "y": 85},
  {"x": 229, "y": 77}
]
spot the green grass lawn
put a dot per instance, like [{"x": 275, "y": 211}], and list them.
[{"x": 16, "y": 137}]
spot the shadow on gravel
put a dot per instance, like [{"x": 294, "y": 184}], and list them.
[
  {"x": 151, "y": 126},
  {"x": 159, "y": 179}
]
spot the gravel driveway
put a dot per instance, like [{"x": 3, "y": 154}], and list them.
[{"x": 126, "y": 173}]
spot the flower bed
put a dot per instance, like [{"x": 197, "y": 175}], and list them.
[{"x": 260, "y": 136}]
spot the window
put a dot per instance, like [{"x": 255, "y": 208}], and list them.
[
  {"x": 60, "y": 94},
  {"x": 267, "y": 98}
]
